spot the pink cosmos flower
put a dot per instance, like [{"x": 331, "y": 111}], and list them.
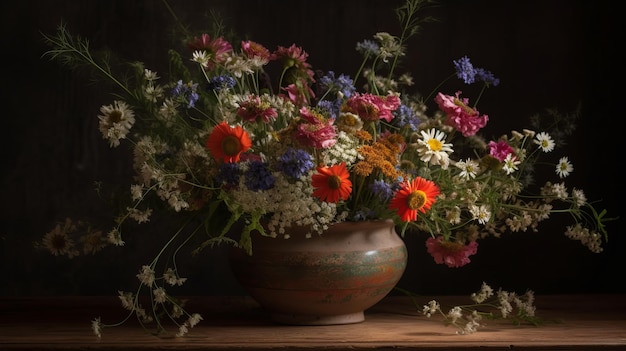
[
  {"x": 460, "y": 115},
  {"x": 317, "y": 131},
  {"x": 370, "y": 107},
  {"x": 451, "y": 254},
  {"x": 500, "y": 150},
  {"x": 217, "y": 49},
  {"x": 254, "y": 109}
]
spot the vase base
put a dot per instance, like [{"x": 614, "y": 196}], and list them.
[{"x": 299, "y": 319}]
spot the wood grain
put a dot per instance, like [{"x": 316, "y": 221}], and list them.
[{"x": 575, "y": 322}]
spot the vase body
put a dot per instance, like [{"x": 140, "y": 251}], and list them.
[{"x": 330, "y": 278}]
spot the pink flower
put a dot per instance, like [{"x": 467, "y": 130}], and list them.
[
  {"x": 254, "y": 109},
  {"x": 370, "y": 107},
  {"x": 299, "y": 93},
  {"x": 294, "y": 57},
  {"x": 317, "y": 131},
  {"x": 452, "y": 254},
  {"x": 217, "y": 49},
  {"x": 463, "y": 118},
  {"x": 500, "y": 150},
  {"x": 255, "y": 50}
]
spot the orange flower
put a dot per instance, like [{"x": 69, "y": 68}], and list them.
[
  {"x": 332, "y": 183},
  {"x": 419, "y": 195},
  {"x": 227, "y": 143}
]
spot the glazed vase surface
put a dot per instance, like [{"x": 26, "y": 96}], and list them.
[{"x": 326, "y": 279}]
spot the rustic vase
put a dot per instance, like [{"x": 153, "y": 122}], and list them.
[{"x": 330, "y": 278}]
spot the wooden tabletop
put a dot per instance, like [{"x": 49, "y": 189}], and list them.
[{"x": 574, "y": 322}]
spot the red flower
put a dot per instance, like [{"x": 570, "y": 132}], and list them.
[
  {"x": 452, "y": 254},
  {"x": 227, "y": 143},
  {"x": 419, "y": 195},
  {"x": 332, "y": 184}
]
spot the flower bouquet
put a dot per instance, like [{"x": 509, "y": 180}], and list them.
[{"x": 220, "y": 142}]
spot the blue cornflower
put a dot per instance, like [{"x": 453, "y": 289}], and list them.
[
  {"x": 258, "y": 176},
  {"x": 228, "y": 174},
  {"x": 368, "y": 47},
  {"x": 333, "y": 107},
  {"x": 487, "y": 77},
  {"x": 187, "y": 91},
  {"x": 221, "y": 82},
  {"x": 465, "y": 70},
  {"x": 295, "y": 163},
  {"x": 343, "y": 84},
  {"x": 381, "y": 189},
  {"x": 404, "y": 116}
]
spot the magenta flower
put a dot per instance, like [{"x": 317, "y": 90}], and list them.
[
  {"x": 371, "y": 107},
  {"x": 217, "y": 49},
  {"x": 299, "y": 93},
  {"x": 254, "y": 109},
  {"x": 317, "y": 131},
  {"x": 460, "y": 115},
  {"x": 452, "y": 254},
  {"x": 500, "y": 150}
]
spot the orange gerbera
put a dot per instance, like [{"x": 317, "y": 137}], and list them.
[
  {"x": 332, "y": 183},
  {"x": 419, "y": 195},
  {"x": 227, "y": 143}
]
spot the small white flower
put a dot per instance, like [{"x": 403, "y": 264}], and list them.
[
  {"x": 96, "y": 326},
  {"x": 115, "y": 237},
  {"x": 127, "y": 299},
  {"x": 150, "y": 75},
  {"x": 160, "y": 296},
  {"x": 116, "y": 121},
  {"x": 579, "y": 197},
  {"x": 481, "y": 213},
  {"x": 172, "y": 278},
  {"x": 201, "y": 57},
  {"x": 146, "y": 276},
  {"x": 545, "y": 142},
  {"x": 432, "y": 307},
  {"x": 510, "y": 164},
  {"x": 194, "y": 319},
  {"x": 468, "y": 168},
  {"x": 564, "y": 167}
]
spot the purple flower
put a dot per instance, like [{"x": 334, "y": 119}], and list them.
[
  {"x": 187, "y": 91},
  {"x": 295, "y": 163},
  {"x": 258, "y": 176},
  {"x": 465, "y": 70}
]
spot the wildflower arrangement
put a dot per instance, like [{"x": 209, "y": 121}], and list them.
[{"x": 220, "y": 142}]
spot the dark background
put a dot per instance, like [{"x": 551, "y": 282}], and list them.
[{"x": 547, "y": 54}]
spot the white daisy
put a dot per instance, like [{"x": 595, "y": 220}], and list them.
[
  {"x": 115, "y": 122},
  {"x": 468, "y": 168},
  {"x": 564, "y": 167},
  {"x": 545, "y": 142},
  {"x": 481, "y": 213},
  {"x": 433, "y": 148},
  {"x": 510, "y": 164}
]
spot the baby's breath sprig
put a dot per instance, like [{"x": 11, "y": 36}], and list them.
[{"x": 487, "y": 304}]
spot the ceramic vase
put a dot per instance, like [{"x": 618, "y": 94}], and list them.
[{"x": 329, "y": 278}]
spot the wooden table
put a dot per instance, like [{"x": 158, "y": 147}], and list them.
[{"x": 585, "y": 322}]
